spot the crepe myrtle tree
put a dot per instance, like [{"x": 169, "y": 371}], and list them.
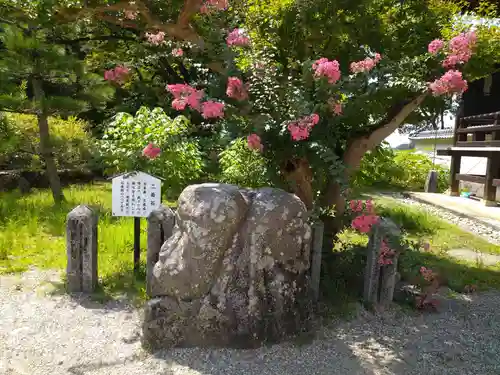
[{"x": 312, "y": 105}]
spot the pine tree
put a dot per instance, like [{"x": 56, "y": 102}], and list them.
[{"x": 43, "y": 73}]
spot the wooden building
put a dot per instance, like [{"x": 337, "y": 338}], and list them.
[{"x": 477, "y": 133}]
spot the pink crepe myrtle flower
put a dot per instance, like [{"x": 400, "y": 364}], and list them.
[
  {"x": 460, "y": 49},
  {"x": 364, "y": 223},
  {"x": 301, "y": 128},
  {"x": 369, "y": 206},
  {"x": 386, "y": 254},
  {"x": 177, "y": 52},
  {"x": 185, "y": 95},
  {"x": 427, "y": 274},
  {"x": 326, "y": 68},
  {"x": 335, "y": 106},
  {"x": 156, "y": 39},
  {"x": 356, "y": 205},
  {"x": 365, "y": 65},
  {"x": 254, "y": 142},
  {"x": 210, "y": 6},
  {"x": 435, "y": 46},
  {"x": 236, "y": 89},
  {"x": 212, "y": 109},
  {"x": 238, "y": 37},
  {"x": 451, "y": 82},
  {"x": 118, "y": 74},
  {"x": 151, "y": 151},
  {"x": 131, "y": 14}
]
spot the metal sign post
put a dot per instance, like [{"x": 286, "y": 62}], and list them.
[{"x": 135, "y": 194}]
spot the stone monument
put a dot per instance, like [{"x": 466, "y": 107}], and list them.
[{"x": 234, "y": 272}]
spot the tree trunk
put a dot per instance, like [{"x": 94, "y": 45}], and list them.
[
  {"x": 298, "y": 174},
  {"x": 353, "y": 155},
  {"x": 45, "y": 144}
]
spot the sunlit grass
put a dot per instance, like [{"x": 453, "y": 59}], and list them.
[
  {"x": 33, "y": 233},
  {"x": 417, "y": 225}
]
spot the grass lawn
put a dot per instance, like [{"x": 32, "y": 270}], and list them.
[
  {"x": 345, "y": 275},
  {"x": 32, "y": 233},
  {"x": 33, "y": 230}
]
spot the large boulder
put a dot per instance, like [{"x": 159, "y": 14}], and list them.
[{"x": 234, "y": 272}]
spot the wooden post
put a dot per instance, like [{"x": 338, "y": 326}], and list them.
[
  {"x": 137, "y": 243},
  {"x": 492, "y": 172},
  {"x": 81, "y": 249},
  {"x": 454, "y": 170},
  {"x": 456, "y": 159},
  {"x": 160, "y": 225},
  {"x": 317, "y": 248}
]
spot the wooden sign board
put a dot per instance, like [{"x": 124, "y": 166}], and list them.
[{"x": 135, "y": 194}]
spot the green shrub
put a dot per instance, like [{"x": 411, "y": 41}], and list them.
[
  {"x": 378, "y": 168},
  {"x": 388, "y": 169},
  {"x": 19, "y": 148},
  {"x": 416, "y": 167},
  {"x": 180, "y": 161},
  {"x": 242, "y": 166}
]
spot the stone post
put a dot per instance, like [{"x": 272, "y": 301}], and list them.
[
  {"x": 160, "y": 225},
  {"x": 431, "y": 184},
  {"x": 317, "y": 248},
  {"x": 388, "y": 282},
  {"x": 379, "y": 281},
  {"x": 81, "y": 249}
]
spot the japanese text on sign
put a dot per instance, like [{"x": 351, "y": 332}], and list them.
[{"x": 135, "y": 194}]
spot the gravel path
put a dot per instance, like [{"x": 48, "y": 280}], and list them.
[
  {"x": 41, "y": 334},
  {"x": 489, "y": 233}
]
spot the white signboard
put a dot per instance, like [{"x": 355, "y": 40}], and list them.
[{"x": 135, "y": 194}]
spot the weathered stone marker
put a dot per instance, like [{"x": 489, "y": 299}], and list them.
[
  {"x": 431, "y": 184},
  {"x": 317, "y": 248},
  {"x": 160, "y": 225},
  {"x": 234, "y": 273},
  {"x": 380, "y": 280},
  {"x": 81, "y": 249}
]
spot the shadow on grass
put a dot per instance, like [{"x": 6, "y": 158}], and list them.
[
  {"x": 116, "y": 291},
  {"x": 342, "y": 277}
]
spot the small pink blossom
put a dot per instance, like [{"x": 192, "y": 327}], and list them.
[
  {"x": 156, "y": 39},
  {"x": 435, "y": 46},
  {"x": 119, "y": 74},
  {"x": 185, "y": 95},
  {"x": 427, "y": 274},
  {"x": 369, "y": 206},
  {"x": 211, "y": 109},
  {"x": 151, "y": 151},
  {"x": 325, "y": 68},
  {"x": 356, "y": 205},
  {"x": 364, "y": 223},
  {"x": 236, "y": 89},
  {"x": 131, "y": 14},
  {"x": 426, "y": 246},
  {"x": 335, "y": 106},
  {"x": 386, "y": 254},
  {"x": 254, "y": 142},
  {"x": 177, "y": 52},
  {"x": 301, "y": 128},
  {"x": 365, "y": 65},
  {"x": 450, "y": 83},
  {"x": 210, "y": 6},
  {"x": 238, "y": 37}
]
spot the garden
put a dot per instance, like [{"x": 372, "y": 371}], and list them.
[{"x": 289, "y": 95}]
